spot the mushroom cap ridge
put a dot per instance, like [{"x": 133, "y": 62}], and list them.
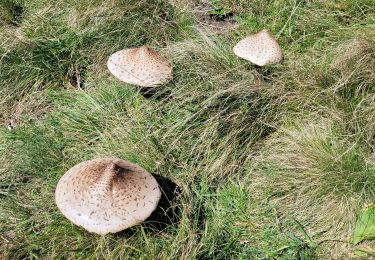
[
  {"x": 107, "y": 195},
  {"x": 260, "y": 48},
  {"x": 141, "y": 66}
]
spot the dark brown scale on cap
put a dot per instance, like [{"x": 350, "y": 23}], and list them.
[
  {"x": 141, "y": 66},
  {"x": 105, "y": 202},
  {"x": 260, "y": 48}
]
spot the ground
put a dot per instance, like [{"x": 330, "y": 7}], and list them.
[{"x": 271, "y": 162}]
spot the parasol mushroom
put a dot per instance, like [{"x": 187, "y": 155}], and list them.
[
  {"x": 11, "y": 125},
  {"x": 141, "y": 66},
  {"x": 260, "y": 48},
  {"x": 107, "y": 195}
]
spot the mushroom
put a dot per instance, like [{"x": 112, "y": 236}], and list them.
[
  {"x": 142, "y": 66},
  {"x": 107, "y": 195},
  {"x": 11, "y": 125},
  {"x": 260, "y": 48}
]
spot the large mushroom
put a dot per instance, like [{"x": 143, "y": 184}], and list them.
[
  {"x": 107, "y": 195},
  {"x": 141, "y": 66},
  {"x": 260, "y": 48}
]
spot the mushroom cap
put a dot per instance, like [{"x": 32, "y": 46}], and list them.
[
  {"x": 107, "y": 195},
  {"x": 260, "y": 48},
  {"x": 141, "y": 66}
]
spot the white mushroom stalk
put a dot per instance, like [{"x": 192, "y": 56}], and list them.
[
  {"x": 260, "y": 48},
  {"x": 107, "y": 195},
  {"x": 142, "y": 66}
]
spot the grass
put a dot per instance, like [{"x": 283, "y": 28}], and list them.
[{"x": 271, "y": 162}]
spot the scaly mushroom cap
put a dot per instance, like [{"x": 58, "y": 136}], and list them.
[
  {"x": 140, "y": 66},
  {"x": 260, "y": 48},
  {"x": 107, "y": 195}
]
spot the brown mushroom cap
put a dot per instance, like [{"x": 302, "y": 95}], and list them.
[
  {"x": 142, "y": 66},
  {"x": 107, "y": 195},
  {"x": 260, "y": 48}
]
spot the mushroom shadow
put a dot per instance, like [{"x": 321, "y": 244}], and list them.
[
  {"x": 154, "y": 92},
  {"x": 220, "y": 17},
  {"x": 168, "y": 212},
  {"x": 77, "y": 79},
  {"x": 15, "y": 13},
  {"x": 265, "y": 73}
]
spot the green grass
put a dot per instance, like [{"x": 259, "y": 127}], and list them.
[{"x": 272, "y": 163}]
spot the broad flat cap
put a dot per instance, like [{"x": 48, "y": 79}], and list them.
[
  {"x": 142, "y": 66},
  {"x": 107, "y": 195},
  {"x": 260, "y": 48}
]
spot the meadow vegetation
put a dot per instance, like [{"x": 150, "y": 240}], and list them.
[{"x": 271, "y": 162}]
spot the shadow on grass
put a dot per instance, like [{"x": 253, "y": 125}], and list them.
[
  {"x": 11, "y": 13},
  {"x": 154, "y": 93},
  {"x": 168, "y": 212},
  {"x": 77, "y": 79}
]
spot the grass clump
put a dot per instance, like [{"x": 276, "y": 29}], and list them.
[
  {"x": 322, "y": 161},
  {"x": 322, "y": 172}
]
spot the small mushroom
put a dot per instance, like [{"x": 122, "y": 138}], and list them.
[
  {"x": 142, "y": 66},
  {"x": 107, "y": 195},
  {"x": 11, "y": 125},
  {"x": 260, "y": 48}
]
